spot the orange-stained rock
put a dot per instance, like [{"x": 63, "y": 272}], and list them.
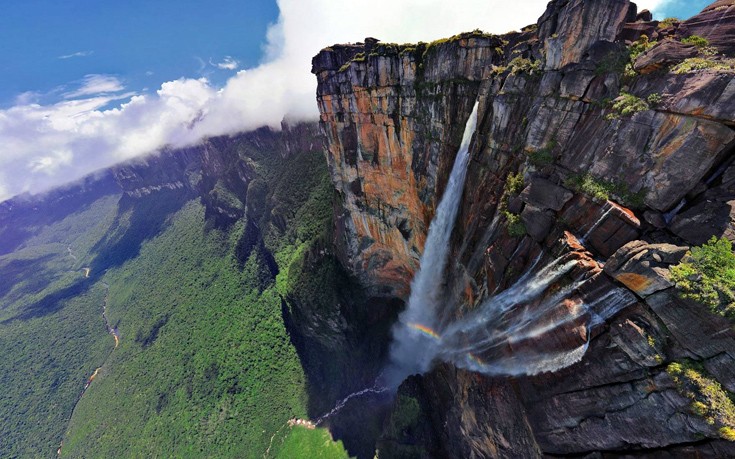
[
  {"x": 636, "y": 282},
  {"x": 643, "y": 268}
]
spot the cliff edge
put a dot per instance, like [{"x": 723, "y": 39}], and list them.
[{"x": 603, "y": 137}]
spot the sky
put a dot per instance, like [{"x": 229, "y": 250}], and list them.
[{"x": 85, "y": 84}]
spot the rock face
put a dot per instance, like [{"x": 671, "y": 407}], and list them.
[{"x": 557, "y": 170}]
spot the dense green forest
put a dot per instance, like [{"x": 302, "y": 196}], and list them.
[
  {"x": 205, "y": 366},
  {"x": 52, "y": 335}
]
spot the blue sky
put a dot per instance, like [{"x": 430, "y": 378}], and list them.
[
  {"x": 85, "y": 84},
  {"x": 48, "y": 46},
  {"x": 51, "y": 45},
  {"x": 682, "y": 9}
]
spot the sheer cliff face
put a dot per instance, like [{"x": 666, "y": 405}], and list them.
[
  {"x": 393, "y": 124},
  {"x": 626, "y": 146}
]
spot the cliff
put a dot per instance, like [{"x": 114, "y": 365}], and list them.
[
  {"x": 603, "y": 137},
  {"x": 270, "y": 191}
]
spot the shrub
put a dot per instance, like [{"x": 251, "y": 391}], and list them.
[
  {"x": 702, "y": 63},
  {"x": 602, "y": 190},
  {"x": 696, "y": 40},
  {"x": 668, "y": 22},
  {"x": 637, "y": 48},
  {"x": 654, "y": 99},
  {"x": 514, "y": 183},
  {"x": 627, "y": 105},
  {"x": 727, "y": 433},
  {"x": 542, "y": 157},
  {"x": 516, "y": 228},
  {"x": 707, "y": 275},
  {"x": 589, "y": 185},
  {"x": 614, "y": 62},
  {"x": 709, "y": 400},
  {"x": 359, "y": 57},
  {"x": 640, "y": 46},
  {"x": 521, "y": 64}
]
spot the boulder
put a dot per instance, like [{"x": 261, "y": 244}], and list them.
[
  {"x": 602, "y": 228},
  {"x": 665, "y": 53},
  {"x": 643, "y": 267},
  {"x": 538, "y": 222},
  {"x": 635, "y": 30},
  {"x": 570, "y": 28},
  {"x": 702, "y": 333},
  {"x": 716, "y": 23},
  {"x": 708, "y": 218},
  {"x": 544, "y": 194}
]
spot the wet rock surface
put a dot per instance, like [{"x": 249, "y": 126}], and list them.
[{"x": 622, "y": 188}]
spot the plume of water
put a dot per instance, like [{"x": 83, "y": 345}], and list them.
[
  {"x": 375, "y": 390},
  {"x": 412, "y": 351},
  {"x": 596, "y": 225}
]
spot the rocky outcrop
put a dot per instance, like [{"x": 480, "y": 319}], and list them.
[
  {"x": 716, "y": 23},
  {"x": 390, "y": 118},
  {"x": 557, "y": 170},
  {"x": 669, "y": 52},
  {"x": 459, "y": 430}
]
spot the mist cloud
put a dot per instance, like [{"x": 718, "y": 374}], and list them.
[{"x": 47, "y": 145}]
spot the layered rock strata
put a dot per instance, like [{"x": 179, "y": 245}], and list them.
[{"x": 592, "y": 140}]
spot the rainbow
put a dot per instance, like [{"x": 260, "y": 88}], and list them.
[
  {"x": 425, "y": 330},
  {"x": 475, "y": 359}
]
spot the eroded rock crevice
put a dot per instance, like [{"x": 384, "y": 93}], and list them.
[{"x": 590, "y": 137}]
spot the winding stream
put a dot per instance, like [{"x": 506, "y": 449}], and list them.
[{"x": 110, "y": 329}]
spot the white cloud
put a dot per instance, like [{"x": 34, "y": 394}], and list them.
[
  {"x": 44, "y": 146},
  {"x": 96, "y": 84},
  {"x": 77, "y": 54},
  {"x": 28, "y": 97},
  {"x": 228, "y": 63}
]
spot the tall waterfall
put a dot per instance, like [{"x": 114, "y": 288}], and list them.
[
  {"x": 414, "y": 347},
  {"x": 501, "y": 335}
]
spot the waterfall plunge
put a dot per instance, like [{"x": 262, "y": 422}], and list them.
[
  {"x": 479, "y": 340},
  {"x": 486, "y": 340},
  {"x": 414, "y": 347}
]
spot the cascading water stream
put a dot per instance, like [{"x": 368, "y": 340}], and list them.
[
  {"x": 503, "y": 335},
  {"x": 375, "y": 390},
  {"x": 411, "y": 351},
  {"x": 595, "y": 225},
  {"x": 426, "y": 287}
]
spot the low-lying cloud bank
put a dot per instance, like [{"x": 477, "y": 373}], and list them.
[{"x": 45, "y": 146}]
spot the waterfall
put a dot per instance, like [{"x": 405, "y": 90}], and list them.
[
  {"x": 595, "y": 225},
  {"x": 375, "y": 390},
  {"x": 414, "y": 342}
]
